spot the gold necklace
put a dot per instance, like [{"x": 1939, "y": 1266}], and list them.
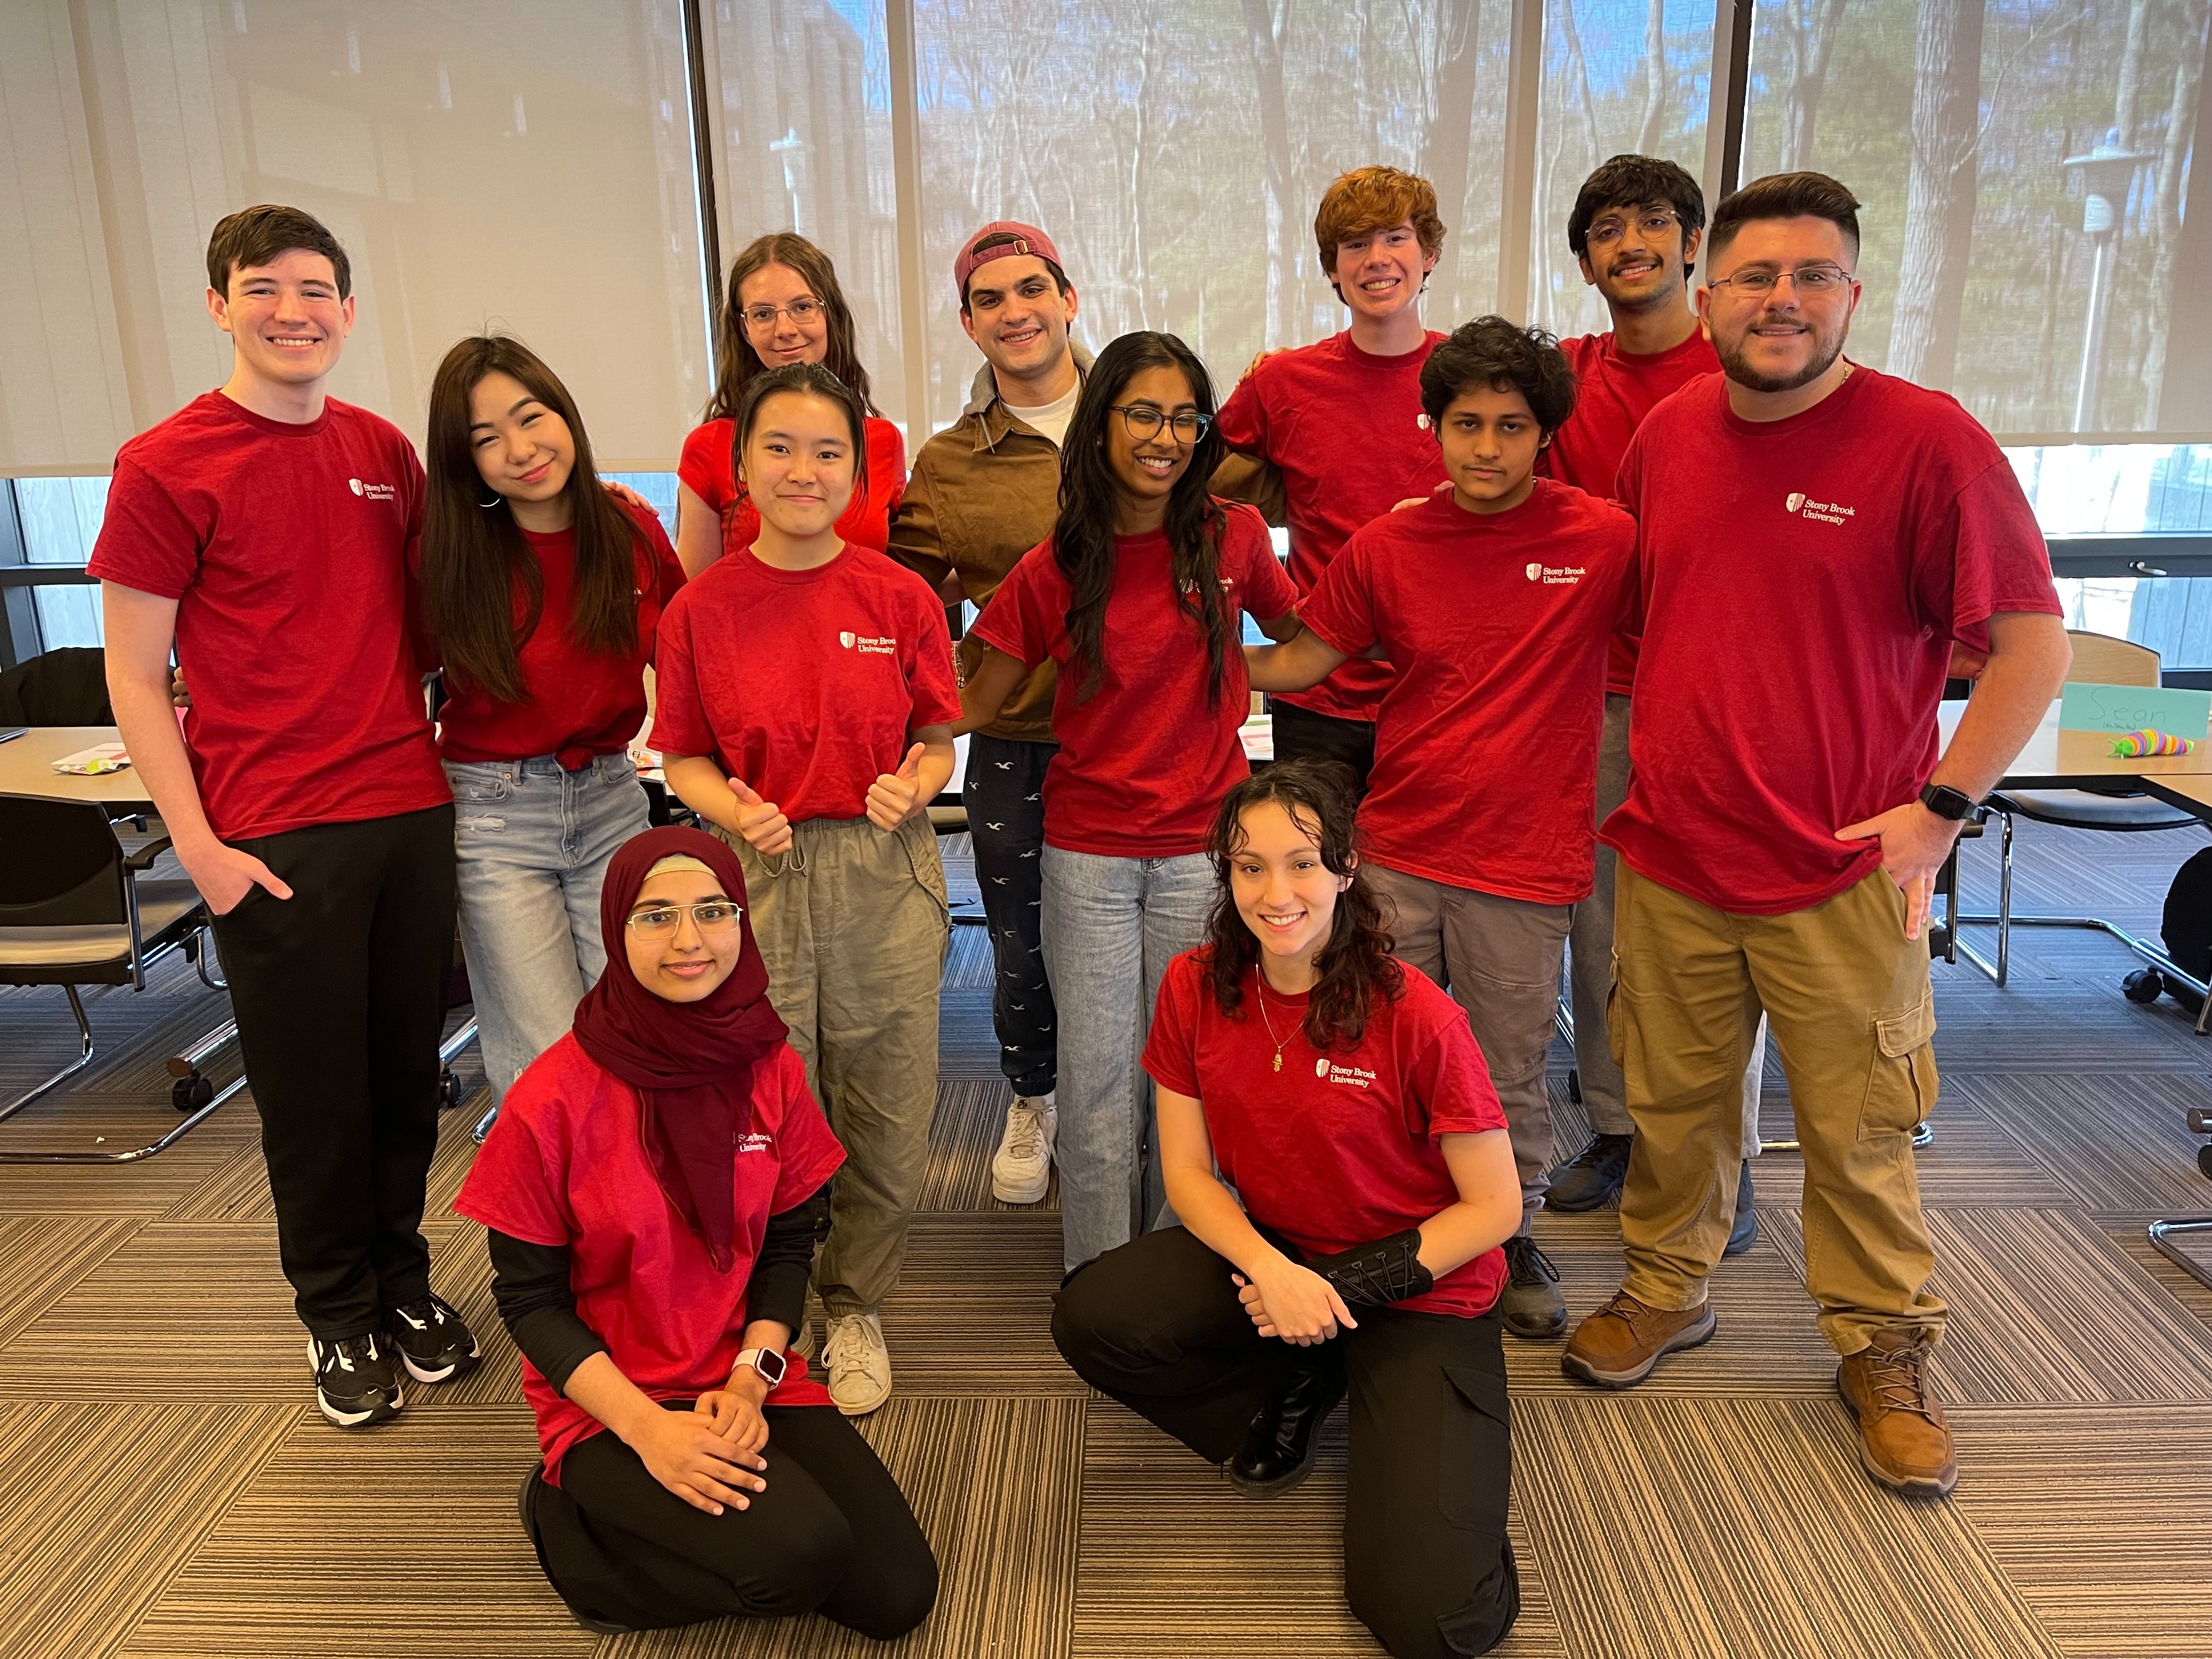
[{"x": 1258, "y": 988}]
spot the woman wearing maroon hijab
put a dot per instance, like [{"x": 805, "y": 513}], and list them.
[{"x": 655, "y": 1186}]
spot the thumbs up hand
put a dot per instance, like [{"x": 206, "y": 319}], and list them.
[
  {"x": 762, "y": 822},
  {"x": 895, "y": 797}
]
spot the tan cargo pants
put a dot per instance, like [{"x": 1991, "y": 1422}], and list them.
[
  {"x": 853, "y": 924},
  {"x": 1854, "y": 1017}
]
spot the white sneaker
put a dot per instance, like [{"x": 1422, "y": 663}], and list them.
[
  {"x": 802, "y": 1343},
  {"x": 860, "y": 1365},
  {"x": 1021, "y": 1169}
]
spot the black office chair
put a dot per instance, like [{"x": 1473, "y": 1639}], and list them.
[
  {"x": 73, "y": 912},
  {"x": 64, "y": 687},
  {"x": 2163, "y": 1234}
]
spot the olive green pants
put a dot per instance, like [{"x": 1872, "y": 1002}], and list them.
[
  {"x": 1853, "y": 1016},
  {"x": 853, "y": 924}
]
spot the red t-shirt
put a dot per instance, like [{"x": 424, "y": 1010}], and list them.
[
  {"x": 1345, "y": 429},
  {"x": 1486, "y": 748},
  {"x": 566, "y": 1165},
  {"x": 705, "y": 467},
  {"x": 1337, "y": 1149},
  {"x": 1144, "y": 761},
  {"x": 577, "y": 703},
  {"x": 287, "y": 548},
  {"x": 1803, "y": 580},
  {"x": 805, "y": 684},
  {"x": 1616, "y": 390}
]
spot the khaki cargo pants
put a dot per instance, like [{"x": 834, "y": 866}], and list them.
[
  {"x": 853, "y": 924},
  {"x": 1854, "y": 1017}
]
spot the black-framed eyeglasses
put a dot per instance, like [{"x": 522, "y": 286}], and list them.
[
  {"x": 1814, "y": 282},
  {"x": 713, "y": 917},
  {"x": 801, "y": 311},
  {"x": 1654, "y": 224},
  {"x": 1144, "y": 423}
]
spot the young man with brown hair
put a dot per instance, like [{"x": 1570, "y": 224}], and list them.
[
  {"x": 1340, "y": 422},
  {"x": 1813, "y": 537},
  {"x": 265, "y": 529}
]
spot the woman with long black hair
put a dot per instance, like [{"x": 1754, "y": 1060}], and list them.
[
  {"x": 1341, "y": 1095},
  {"x": 1139, "y": 596},
  {"x": 543, "y": 593}
]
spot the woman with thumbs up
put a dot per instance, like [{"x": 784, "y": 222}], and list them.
[{"x": 806, "y": 697}]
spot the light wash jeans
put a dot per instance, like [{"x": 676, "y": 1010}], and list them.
[
  {"x": 533, "y": 843},
  {"x": 1111, "y": 925}
]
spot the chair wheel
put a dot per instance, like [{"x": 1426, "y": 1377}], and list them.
[
  {"x": 2143, "y": 984},
  {"x": 449, "y": 1091},
  {"x": 1574, "y": 1085},
  {"x": 189, "y": 1093},
  {"x": 2204, "y": 1161}
]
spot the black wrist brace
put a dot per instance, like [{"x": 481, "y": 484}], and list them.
[{"x": 1374, "y": 1275}]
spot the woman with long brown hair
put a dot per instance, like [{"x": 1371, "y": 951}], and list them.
[
  {"x": 542, "y": 592},
  {"x": 1340, "y": 1094},
  {"x": 781, "y": 305}
]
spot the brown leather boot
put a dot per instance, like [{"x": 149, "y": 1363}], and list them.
[
  {"x": 1620, "y": 1343},
  {"x": 1904, "y": 1439}
]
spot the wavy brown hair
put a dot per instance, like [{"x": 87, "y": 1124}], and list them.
[
  {"x": 1358, "y": 965},
  {"x": 475, "y": 559},
  {"x": 739, "y": 362}
]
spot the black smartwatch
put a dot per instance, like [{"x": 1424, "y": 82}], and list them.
[{"x": 1945, "y": 802}]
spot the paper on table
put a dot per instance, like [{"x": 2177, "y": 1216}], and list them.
[
  {"x": 91, "y": 763},
  {"x": 2086, "y": 706}
]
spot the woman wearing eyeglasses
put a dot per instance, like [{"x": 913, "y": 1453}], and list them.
[
  {"x": 782, "y": 305},
  {"x": 655, "y": 1186},
  {"x": 1139, "y": 597}
]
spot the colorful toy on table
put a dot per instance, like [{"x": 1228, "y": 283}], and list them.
[{"x": 2148, "y": 743}]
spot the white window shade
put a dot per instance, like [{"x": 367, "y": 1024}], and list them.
[
  {"x": 2004, "y": 253},
  {"x": 524, "y": 168}
]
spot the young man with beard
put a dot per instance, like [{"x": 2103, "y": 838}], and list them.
[
  {"x": 1813, "y": 537},
  {"x": 1341, "y": 423},
  {"x": 1635, "y": 230},
  {"x": 982, "y": 493}
]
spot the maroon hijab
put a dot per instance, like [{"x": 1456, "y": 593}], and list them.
[{"x": 692, "y": 1063}]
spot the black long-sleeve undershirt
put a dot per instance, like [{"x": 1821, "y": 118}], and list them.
[{"x": 530, "y": 1286}]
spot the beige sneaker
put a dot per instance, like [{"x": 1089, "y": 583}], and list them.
[
  {"x": 859, "y": 1364},
  {"x": 1021, "y": 1168}
]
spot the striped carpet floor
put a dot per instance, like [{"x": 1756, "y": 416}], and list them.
[{"x": 167, "y": 1488}]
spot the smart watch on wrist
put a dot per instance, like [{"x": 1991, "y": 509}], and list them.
[
  {"x": 767, "y": 1361},
  {"x": 1945, "y": 802}
]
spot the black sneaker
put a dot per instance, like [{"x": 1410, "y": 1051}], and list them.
[
  {"x": 436, "y": 1345},
  {"x": 355, "y": 1383},
  {"x": 1533, "y": 1304},
  {"x": 1745, "y": 1233},
  {"x": 1592, "y": 1177}
]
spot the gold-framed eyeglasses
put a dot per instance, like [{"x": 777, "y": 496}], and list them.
[
  {"x": 713, "y": 917},
  {"x": 1817, "y": 282},
  {"x": 802, "y": 312},
  {"x": 1144, "y": 423},
  {"x": 1655, "y": 225}
]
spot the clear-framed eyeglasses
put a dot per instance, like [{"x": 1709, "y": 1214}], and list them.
[
  {"x": 1815, "y": 282},
  {"x": 713, "y": 917},
  {"x": 803, "y": 312},
  {"x": 1654, "y": 223},
  {"x": 1144, "y": 423}
]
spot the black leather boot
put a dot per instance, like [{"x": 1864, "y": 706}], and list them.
[{"x": 1285, "y": 1438}]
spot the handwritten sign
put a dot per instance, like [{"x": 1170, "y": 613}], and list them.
[{"x": 2087, "y": 707}]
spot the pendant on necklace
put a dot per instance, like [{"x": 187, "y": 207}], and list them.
[{"x": 1278, "y": 1059}]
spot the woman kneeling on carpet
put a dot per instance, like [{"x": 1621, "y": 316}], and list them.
[
  {"x": 1341, "y": 1093},
  {"x": 655, "y": 1187}
]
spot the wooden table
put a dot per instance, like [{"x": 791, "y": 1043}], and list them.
[
  {"x": 27, "y": 768},
  {"x": 2051, "y": 759}
]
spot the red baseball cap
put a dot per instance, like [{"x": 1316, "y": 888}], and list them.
[{"x": 1028, "y": 239}]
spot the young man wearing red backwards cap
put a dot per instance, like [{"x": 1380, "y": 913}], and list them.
[
  {"x": 304, "y": 794},
  {"x": 1634, "y": 230},
  {"x": 1813, "y": 537},
  {"x": 1342, "y": 421},
  {"x": 1496, "y": 602},
  {"x": 983, "y": 492}
]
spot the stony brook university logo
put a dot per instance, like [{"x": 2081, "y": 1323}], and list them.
[
  {"x": 374, "y": 492},
  {"x": 1534, "y": 572},
  {"x": 846, "y": 639},
  {"x": 1805, "y": 506},
  {"x": 356, "y": 483},
  {"x": 1321, "y": 1067},
  {"x": 1796, "y": 500}
]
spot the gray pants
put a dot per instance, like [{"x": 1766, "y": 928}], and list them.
[
  {"x": 853, "y": 924},
  {"x": 1500, "y": 958},
  {"x": 1589, "y": 972}
]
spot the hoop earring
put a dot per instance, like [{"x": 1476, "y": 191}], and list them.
[{"x": 495, "y": 500}]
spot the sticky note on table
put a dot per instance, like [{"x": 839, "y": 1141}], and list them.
[{"x": 2087, "y": 706}]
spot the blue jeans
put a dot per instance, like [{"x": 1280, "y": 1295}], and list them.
[
  {"x": 533, "y": 843},
  {"x": 1111, "y": 925}
]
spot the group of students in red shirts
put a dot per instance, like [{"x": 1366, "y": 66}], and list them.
[{"x": 1340, "y": 973}]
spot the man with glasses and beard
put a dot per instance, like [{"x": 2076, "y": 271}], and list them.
[{"x": 1813, "y": 537}]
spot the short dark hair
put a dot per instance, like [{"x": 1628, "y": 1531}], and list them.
[
  {"x": 1492, "y": 353},
  {"x": 1785, "y": 196},
  {"x": 1630, "y": 181},
  {"x": 258, "y": 235},
  {"x": 1000, "y": 238}
]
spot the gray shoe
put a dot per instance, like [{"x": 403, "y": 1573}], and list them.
[
  {"x": 1592, "y": 1178},
  {"x": 1533, "y": 1306},
  {"x": 1745, "y": 1233}
]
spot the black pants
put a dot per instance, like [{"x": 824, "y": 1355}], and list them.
[
  {"x": 339, "y": 992},
  {"x": 832, "y": 1534},
  {"x": 1301, "y": 734},
  {"x": 1156, "y": 1323},
  {"x": 1005, "y": 797}
]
